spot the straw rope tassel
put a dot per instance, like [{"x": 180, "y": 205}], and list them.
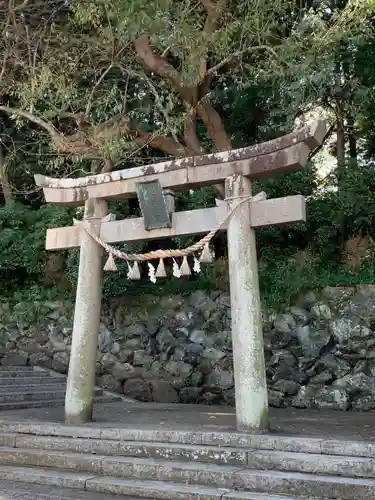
[
  {"x": 110, "y": 265},
  {"x": 135, "y": 273},
  {"x": 206, "y": 255},
  {"x": 160, "y": 271},
  {"x": 185, "y": 268}
]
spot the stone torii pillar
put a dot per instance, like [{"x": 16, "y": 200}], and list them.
[
  {"x": 247, "y": 335},
  {"x": 81, "y": 378}
]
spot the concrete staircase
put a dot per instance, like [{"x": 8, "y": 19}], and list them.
[
  {"x": 173, "y": 465},
  {"x": 30, "y": 387}
]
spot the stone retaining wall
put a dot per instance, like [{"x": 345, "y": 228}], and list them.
[{"x": 320, "y": 352}]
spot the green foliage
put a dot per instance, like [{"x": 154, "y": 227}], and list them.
[
  {"x": 22, "y": 241},
  {"x": 284, "y": 279},
  {"x": 30, "y": 304}
]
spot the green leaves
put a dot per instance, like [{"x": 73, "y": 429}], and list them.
[{"x": 22, "y": 241}]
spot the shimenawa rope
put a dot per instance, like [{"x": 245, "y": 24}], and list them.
[{"x": 163, "y": 254}]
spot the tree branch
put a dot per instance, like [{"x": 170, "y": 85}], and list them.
[
  {"x": 166, "y": 144},
  {"x": 190, "y": 133},
  {"x": 4, "y": 65},
  {"x": 53, "y": 132},
  {"x": 96, "y": 85},
  {"x": 156, "y": 63},
  {"x": 89, "y": 143},
  {"x": 4, "y": 179},
  {"x": 159, "y": 104},
  {"x": 203, "y": 110},
  {"x": 214, "y": 13},
  {"x": 239, "y": 53},
  {"x": 101, "y": 78},
  {"x": 215, "y": 127}
]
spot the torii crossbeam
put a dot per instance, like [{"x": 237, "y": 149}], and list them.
[{"x": 237, "y": 168}]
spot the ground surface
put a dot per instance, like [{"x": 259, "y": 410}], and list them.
[{"x": 288, "y": 421}]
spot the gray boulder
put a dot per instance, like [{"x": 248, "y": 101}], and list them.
[
  {"x": 287, "y": 387},
  {"x": 105, "y": 339},
  {"x": 347, "y": 330},
  {"x": 312, "y": 340},
  {"x": 190, "y": 395},
  {"x": 60, "y": 362},
  {"x": 213, "y": 354},
  {"x": 109, "y": 382},
  {"x": 141, "y": 358},
  {"x": 321, "y": 312},
  {"x": 338, "y": 367},
  {"x": 331, "y": 397},
  {"x": 198, "y": 337},
  {"x": 301, "y": 316},
  {"x": 163, "y": 392},
  {"x": 275, "y": 398},
  {"x": 138, "y": 389},
  {"x": 219, "y": 380},
  {"x": 40, "y": 359},
  {"x": 284, "y": 323},
  {"x": 124, "y": 371}
]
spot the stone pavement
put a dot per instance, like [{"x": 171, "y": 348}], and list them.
[{"x": 286, "y": 421}]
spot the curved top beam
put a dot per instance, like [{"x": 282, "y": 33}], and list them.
[{"x": 311, "y": 135}]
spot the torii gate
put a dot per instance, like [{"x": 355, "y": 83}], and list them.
[{"x": 237, "y": 168}]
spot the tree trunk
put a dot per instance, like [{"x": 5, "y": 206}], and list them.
[
  {"x": 353, "y": 153},
  {"x": 4, "y": 180},
  {"x": 340, "y": 154},
  {"x": 340, "y": 145}
]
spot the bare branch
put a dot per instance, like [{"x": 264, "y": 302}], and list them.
[
  {"x": 93, "y": 90},
  {"x": 3, "y": 66},
  {"x": 159, "y": 104},
  {"x": 240, "y": 53},
  {"x": 214, "y": 13},
  {"x": 101, "y": 78},
  {"x": 20, "y": 7}
]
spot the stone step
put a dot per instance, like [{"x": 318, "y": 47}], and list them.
[
  {"x": 24, "y": 405},
  {"x": 237, "y": 440},
  {"x": 25, "y": 388},
  {"x": 131, "y": 489},
  {"x": 16, "y": 491},
  {"x": 11, "y": 373},
  {"x": 224, "y": 477},
  {"x": 165, "y": 451},
  {"x": 260, "y": 459},
  {"x": 334, "y": 465},
  {"x": 50, "y": 403},
  {"x": 31, "y": 380},
  {"x": 36, "y": 394},
  {"x": 20, "y": 368}
]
